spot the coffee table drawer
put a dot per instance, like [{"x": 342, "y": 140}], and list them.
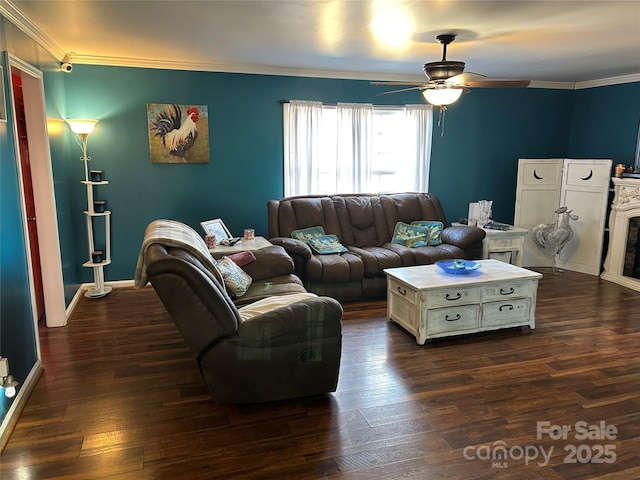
[
  {"x": 505, "y": 290},
  {"x": 453, "y": 296},
  {"x": 402, "y": 291},
  {"x": 452, "y": 319},
  {"x": 505, "y": 312}
]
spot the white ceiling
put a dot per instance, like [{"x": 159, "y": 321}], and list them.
[{"x": 542, "y": 40}]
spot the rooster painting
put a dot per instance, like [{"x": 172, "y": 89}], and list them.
[{"x": 175, "y": 131}]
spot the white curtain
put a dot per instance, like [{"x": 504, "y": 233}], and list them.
[
  {"x": 302, "y": 121},
  {"x": 331, "y": 149},
  {"x": 354, "y": 137},
  {"x": 418, "y": 142}
]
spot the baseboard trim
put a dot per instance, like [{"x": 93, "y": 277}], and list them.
[
  {"x": 15, "y": 410},
  {"x": 85, "y": 286}
]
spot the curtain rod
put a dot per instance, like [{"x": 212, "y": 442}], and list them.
[{"x": 282, "y": 102}]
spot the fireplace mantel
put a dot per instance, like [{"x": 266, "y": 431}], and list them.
[{"x": 626, "y": 205}]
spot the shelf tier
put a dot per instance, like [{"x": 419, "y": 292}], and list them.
[
  {"x": 97, "y": 214},
  {"x": 89, "y": 182},
  {"x": 101, "y": 264}
]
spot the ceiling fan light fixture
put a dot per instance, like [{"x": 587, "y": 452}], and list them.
[{"x": 442, "y": 95}]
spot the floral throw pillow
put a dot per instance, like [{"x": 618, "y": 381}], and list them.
[
  {"x": 410, "y": 235},
  {"x": 327, "y": 244},
  {"x": 235, "y": 279},
  {"x": 435, "y": 231},
  {"x": 305, "y": 234}
]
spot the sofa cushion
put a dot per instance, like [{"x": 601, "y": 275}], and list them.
[
  {"x": 326, "y": 244},
  {"x": 410, "y": 235},
  {"x": 305, "y": 234},
  {"x": 235, "y": 279},
  {"x": 334, "y": 268},
  {"x": 376, "y": 259},
  {"x": 434, "y": 229}
]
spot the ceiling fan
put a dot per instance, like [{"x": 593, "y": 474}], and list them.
[{"x": 447, "y": 80}]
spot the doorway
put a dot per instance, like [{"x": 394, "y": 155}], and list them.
[
  {"x": 27, "y": 192},
  {"x": 30, "y": 106}
]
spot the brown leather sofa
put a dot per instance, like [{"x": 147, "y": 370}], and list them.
[
  {"x": 364, "y": 224},
  {"x": 247, "y": 351}
]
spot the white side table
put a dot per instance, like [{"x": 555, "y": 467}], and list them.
[
  {"x": 503, "y": 244},
  {"x": 241, "y": 246}
]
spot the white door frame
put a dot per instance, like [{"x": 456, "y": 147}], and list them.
[{"x": 43, "y": 193}]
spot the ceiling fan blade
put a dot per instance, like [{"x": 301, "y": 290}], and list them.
[
  {"x": 464, "y": 78},
  {"x": 415, "y": 84},
  {"x": 416, "y": 87},
  {"x": 498, "y": 84}
]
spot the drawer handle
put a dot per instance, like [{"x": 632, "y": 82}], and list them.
[
  {"x": 588, "y": 177},
  {"x": 452, "y": 319},
  {"x": 401, "y": 291},
  {"x": 504, "y": 291},
  {"x": 536, "y": 176},
  {"x": 510, "y": 307},
  {"x": 457, "y": 297}
]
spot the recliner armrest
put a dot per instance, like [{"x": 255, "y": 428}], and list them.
[
  {"x": 306, "y": 320},
  {"x": 270, "y": 262},
  {"x": 462, "y": 236}
]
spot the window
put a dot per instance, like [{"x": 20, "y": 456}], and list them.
[{"x": 356, "y": 148}]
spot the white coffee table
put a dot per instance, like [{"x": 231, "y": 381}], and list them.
[{"x": 430, "y": 303}]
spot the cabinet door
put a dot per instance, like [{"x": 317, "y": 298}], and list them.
[
  {"x": 585, "y": 191},
  {"x": 537, "y": 198}
]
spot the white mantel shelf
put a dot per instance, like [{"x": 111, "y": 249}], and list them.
[{"x": 626, "y": 205}]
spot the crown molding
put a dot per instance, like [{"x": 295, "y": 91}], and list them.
[
  {"x": 257, "y": 69},
  {"x": 20, "y": 20},
  {"x": 604, "y": 82}
]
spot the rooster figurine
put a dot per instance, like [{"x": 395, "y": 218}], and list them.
[
  {"x": 552, "y": 237},
  {"x": 178, "y": 133}
]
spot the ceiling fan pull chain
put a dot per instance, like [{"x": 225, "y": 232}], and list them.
[{"x": 443, "y": 109}]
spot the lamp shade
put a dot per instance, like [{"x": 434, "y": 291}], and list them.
[
  {"x": 442, "y": 95},
  {"x": 82, "y": 126}
]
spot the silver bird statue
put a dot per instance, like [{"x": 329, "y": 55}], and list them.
[{"x": 552, "y": 237}]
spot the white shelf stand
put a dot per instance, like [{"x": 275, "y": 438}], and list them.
[{"x": 82, "y": 129}]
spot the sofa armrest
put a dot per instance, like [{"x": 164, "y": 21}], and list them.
[
  {"x": 270, "y": 262},
  {"x": 462, "y": 236},
  {"x": 311, "y": 319}
]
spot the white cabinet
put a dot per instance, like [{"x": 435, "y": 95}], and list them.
[
  {"x": 580, "y": 185},
  {"x": 92, "y": 216}
]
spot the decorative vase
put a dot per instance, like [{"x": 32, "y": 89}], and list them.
[{"x": 485, "y": 212}]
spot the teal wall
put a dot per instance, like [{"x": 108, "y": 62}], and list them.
[
  {"x": 485, "y": 133},
  {"x": 604, "y": 123}
]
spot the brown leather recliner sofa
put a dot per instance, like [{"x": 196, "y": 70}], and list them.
[
  {"x": 274, "y": 342},
  {"x": 365, "y": 225}
]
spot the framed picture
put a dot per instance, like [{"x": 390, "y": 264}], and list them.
[
  {"x": 216, "y": 227},
  {"x": 178, "y": 133},
  {"x": 3, "y": 107}
]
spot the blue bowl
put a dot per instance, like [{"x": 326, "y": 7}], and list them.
[{"x": 458, "y": 266}]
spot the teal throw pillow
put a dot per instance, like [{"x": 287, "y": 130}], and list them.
[
  {"x": 235, "y": 279},
  {"x": 435, "y": 231},
  {"x": 410, "y": 235},
  {"x": 327, "y": 244},
  {"x": 305, "y": 234}
]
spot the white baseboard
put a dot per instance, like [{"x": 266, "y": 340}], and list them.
[
  {"x": 18, "y": 404},
  {"x": 85, "y": 286}
]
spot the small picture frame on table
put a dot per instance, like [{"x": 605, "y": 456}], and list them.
[{"x": 216, "y": 227}]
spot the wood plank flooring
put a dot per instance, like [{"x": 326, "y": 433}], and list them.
[{"x": 121, "y": 398}]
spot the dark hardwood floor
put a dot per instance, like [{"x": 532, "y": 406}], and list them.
[{"x": 121, "y": 398}]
